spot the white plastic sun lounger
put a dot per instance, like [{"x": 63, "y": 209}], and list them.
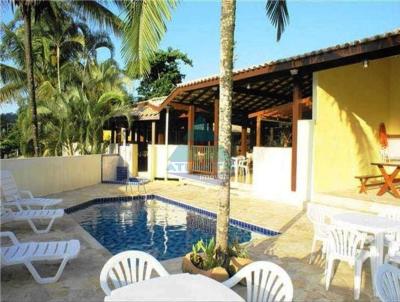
[
  {"x": 8, "y": 215},
  {"x": 27, "y": 252},
  {"x": 13, "y": 196}
]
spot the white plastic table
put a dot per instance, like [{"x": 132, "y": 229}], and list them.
[
  {"x": 179, "y": 287},
  {"x": 372, "y": 224}
]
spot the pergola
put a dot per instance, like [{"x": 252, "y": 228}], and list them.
[{"x": 281, "y": 88}]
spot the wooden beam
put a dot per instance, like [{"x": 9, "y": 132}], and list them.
[
  {"x": 258, "y": 132},
  {"x": 258, "y": 93},
  {"x": 243, "y": 140},
  {"x": 281, "y": 109},
  {"x": 216, "y": 131},
  {"x": 183, "y": 107},
  {"x": 190, "y": 136},
  {"x": 297, "y": 112}
]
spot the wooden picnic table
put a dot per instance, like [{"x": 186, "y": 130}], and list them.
[{"x": 390, "y": 178}]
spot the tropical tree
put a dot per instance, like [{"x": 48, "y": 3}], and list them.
[
  {"x": 26, "y": 8},
  {"x": 29, "y": 8},
  {"x": 164, "y": 73},
  {"x": 278, "y": 14}
]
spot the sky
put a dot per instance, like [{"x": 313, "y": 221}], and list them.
[{"x": 194, "y": 29}]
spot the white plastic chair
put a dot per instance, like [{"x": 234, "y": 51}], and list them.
[
  {"x": 388, "y": 283},
  {"x": 265, "y": 281},
  {"x": 243, "y": 167},
  {"x": 392, "y": 213},
  {"x": 26, "y": 253},
  {"x": 393, "y": 255},
  {"x": 7, "y": 215},
  {"x": 129, "y": 267},
  {"x": 319, "y": 218},
  {"x": 346, "y": 245},
  {"x": 13, "y": 196}
]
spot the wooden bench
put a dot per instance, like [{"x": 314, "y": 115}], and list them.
[{"x": 364, "y": 179}]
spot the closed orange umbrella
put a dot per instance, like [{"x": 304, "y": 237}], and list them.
[{"x": 383, "y": 138}]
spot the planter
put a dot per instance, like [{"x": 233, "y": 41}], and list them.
[
  {"x": 237, "y": 263},
  {"x": 217, "y": 273}
]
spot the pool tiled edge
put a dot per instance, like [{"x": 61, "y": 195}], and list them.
[{"x": 235, "y": 222}]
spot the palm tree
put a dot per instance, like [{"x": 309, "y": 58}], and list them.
[
  {"x": 26, "y": 8},
  {"x": 92, "y": 9},
  {"x": 278, "y": 14}
]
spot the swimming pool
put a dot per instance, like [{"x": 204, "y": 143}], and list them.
[{"x": 162, "y": 227}]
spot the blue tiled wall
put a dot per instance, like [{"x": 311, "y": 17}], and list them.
[{"x": 122, "y": 173}]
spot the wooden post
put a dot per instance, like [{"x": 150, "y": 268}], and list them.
[
  {"x": 258, "y": 131},
  {"x": 296, "y": 115},
  {"x": 216, "y": 130},
  {"x": 190, "y": 136},
  {"x": 243, "y": 140}
]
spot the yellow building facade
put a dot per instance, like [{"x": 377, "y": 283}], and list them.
[{"x": 350, "y": 103}]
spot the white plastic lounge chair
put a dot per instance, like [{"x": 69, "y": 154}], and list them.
[
  {"x": 129, "y": 267},
  {"x": 346, "y": 245},
  {"x": 13, "y": 196},
  {"x": 318, "y": 217},
  {"x": 265, "y": 281},
  {"x": 7, "y": 215},
  {"x": 388, "y": 283},
  {"x": 28, "y": 252}
]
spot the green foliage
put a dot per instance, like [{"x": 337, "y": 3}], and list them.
[
  {"x": 164, "y": 73},
  {"x": 237, "y": 250},
  {"x": 206, "y": 256},
  {"x": 9, "y": 135},
  {"x": 76, "y": 94}
]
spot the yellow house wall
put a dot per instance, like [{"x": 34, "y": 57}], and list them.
[{"x": 351, "y": 101}]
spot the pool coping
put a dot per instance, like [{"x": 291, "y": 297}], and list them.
[{"x": 235, "y": 222}]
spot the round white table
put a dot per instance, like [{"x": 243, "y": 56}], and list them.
[
  {"x": 179, "y": 287},
  {"x": 372, "y": 224}
]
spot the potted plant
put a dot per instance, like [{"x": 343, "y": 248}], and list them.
[{"x": 206, "y": 260}]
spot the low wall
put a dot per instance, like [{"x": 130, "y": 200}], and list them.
[
  {"x": 125, "y": 156},
  {"x": 48, "y": 175},
  {"x": 272, "y": 169},
  {"x": 177, "y": 160},
  {"x": 109, "y": 165}
]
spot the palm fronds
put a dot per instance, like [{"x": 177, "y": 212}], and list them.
[
  {"x": 145, "y": 25},
  {"x": 278, "y": 13}
]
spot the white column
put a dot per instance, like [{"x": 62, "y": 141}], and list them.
[
  {"x": 166, "y": 141},
  {"x": 153, "y": 151}
]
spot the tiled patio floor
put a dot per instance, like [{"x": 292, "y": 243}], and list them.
[{"x": 80, "y": 280}]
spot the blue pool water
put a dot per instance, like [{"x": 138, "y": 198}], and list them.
[{"x": 164, "y": 230}]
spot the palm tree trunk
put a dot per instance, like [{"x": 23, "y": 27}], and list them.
[
  {"x": 58, "y": 68},
  {"x": 228, "y": 9},
  {"x": 26, "y": 11}
]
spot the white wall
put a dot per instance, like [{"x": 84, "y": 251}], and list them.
[
  {"x": 109, "y": 166},
  {"x": 272, "y": 169},
  {"x": 48, "y": 175},
  {"x": 177, "y": 160}
]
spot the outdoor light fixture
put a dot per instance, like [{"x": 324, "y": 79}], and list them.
[
  {"x": 365, "y": 64},
  {"x": 248, "y": 86},
  {"x": 294, "y": 72}
]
